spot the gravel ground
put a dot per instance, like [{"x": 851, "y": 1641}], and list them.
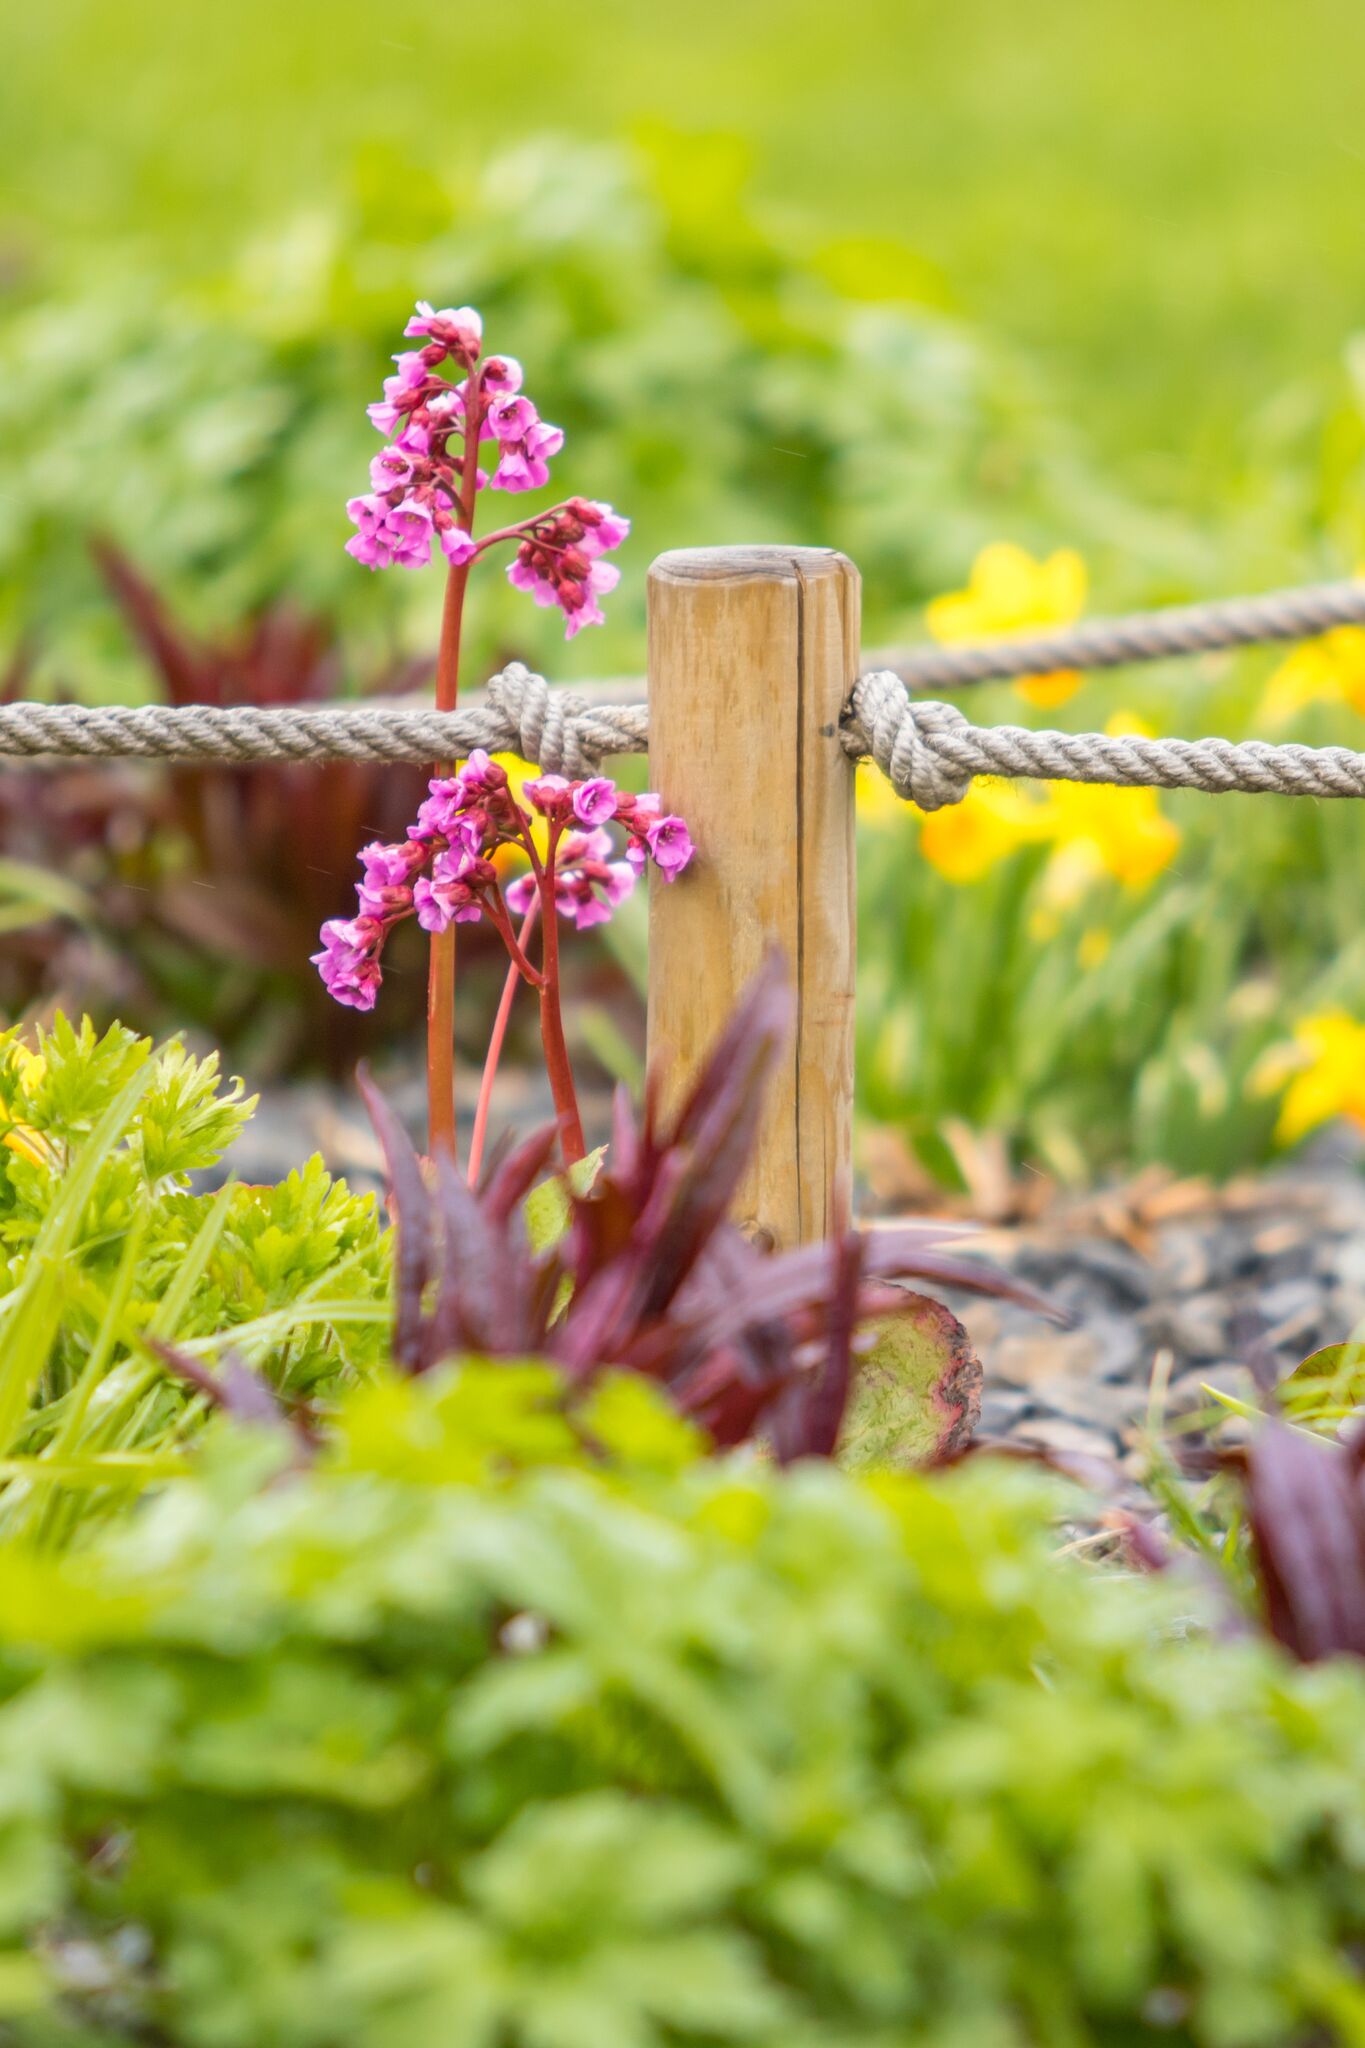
[
  {"x": 1167, "y": 1282},
  {"x": 1169, "y": 1285}
]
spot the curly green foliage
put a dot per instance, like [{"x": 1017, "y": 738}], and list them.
[
  {"x": 473, "y": 1733},
  {"x": 102, "y": 1246}
]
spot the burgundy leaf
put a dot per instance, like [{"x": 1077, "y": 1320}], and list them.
[
  {"x": 189, "y": 679},
  {"x": 236, "y": 1388},
  {"x": 970, "y": 1275},
  {"x": 479, "y": 1295},
  {"x": 511, "y": 1180},
  {"x": 1308, "y": 1523},
  {"x": 807, "y": 1419},
  {"x": 660, "y": 1281},
  {"x": 413, "y": 1219}
]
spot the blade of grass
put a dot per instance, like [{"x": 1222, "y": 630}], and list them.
[{"x": 30, "y": 1320}]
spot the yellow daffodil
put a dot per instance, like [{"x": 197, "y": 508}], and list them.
[
  {"x": 1326, "y": 671},
  {"x": 1008, "y": 592},
  {"x": 965, "y": 841},
  {"x": 1094, "y": 948},
  {"x": 1322, "y": 1073},
  {"x": 1099, "y": 832}
]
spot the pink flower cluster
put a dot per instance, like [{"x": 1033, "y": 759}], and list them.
[
  {"x": 421, "y": 492},
  {"x": 416, "y": 482},
  {"x": 559, "y": 560},
  {"x": 444, "y": 872}
]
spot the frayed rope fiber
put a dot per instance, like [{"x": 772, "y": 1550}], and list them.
[{"x": 928, "y": 751}]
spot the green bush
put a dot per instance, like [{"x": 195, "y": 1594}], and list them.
[
  {"x": 471, "y": 1734},
  {"x": 714, "y": 383}
]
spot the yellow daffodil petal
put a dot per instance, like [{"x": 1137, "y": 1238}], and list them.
[
  {"x": 1011, "y": 587},
  {"x": 31, "y": 1065},
  {"x": 965, "y": 841},
  {"x": 1065, "y": 583},
  {"x": 955, "y": 617},
  {"x": 1125, "y": 831},
  {"x": 1330, "y": 670},
  {"x": 1047, "y": 692},
  {"x": 1008, "y": 591},
  {"x": 1309, "y": 1100},
  {"x": 29, "y": 1144},
  {"x": 1331, "y": 1078},
  {"x": 877, "y": 802}
]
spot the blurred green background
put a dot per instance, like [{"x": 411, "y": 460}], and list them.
[{"x": 899, "y": 277}]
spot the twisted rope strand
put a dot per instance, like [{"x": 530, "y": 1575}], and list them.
[
  {"x": 518, "y": 713},
  {"x": 930, "y": 753},
  {"x": 1142, "y": 636},
  {"x": 928, "y": 750}
]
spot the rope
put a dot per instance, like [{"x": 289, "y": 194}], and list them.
[
  {"x": 1143, "y": 636},
  {"x": 928, "y": 750},
  {"x": 519, "y": 713},
  {"x": 930, "y": 753}
]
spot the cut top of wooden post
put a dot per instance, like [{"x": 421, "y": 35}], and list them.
[{"x": 752, "y": 654}]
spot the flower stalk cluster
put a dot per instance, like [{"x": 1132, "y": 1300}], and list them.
[
  {"x": 456, "y": 423},
  {"x": 445, "y": 404},
  {"x": 446, "y": 873},
  {"x": 424, "y": 482}
]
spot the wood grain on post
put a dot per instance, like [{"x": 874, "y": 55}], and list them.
[{"x": 752, "y": 653}]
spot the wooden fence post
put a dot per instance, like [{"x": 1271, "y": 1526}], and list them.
[{"x": 752, "y": 652}]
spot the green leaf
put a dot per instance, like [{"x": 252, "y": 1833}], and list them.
[
  {"x": 917, "y": 1391},
  {"x": 1327, "y": 1388},
  {"x": 548, "y": 1213},
  {"x": 29, "y": 1321}
]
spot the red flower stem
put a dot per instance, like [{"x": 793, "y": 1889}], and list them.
[
  {"x": 496, "y": 912},
  {"x": 441, "y": 972},
  {"x": 490, "y": 540},
  {"x": 551, "y": 1019},
  {"x": 495, "y": 1044}
]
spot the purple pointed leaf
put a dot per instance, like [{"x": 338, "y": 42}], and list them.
[
  {"x": 1308, "y": 1523},
  {"x": 414, "y": 1220}
]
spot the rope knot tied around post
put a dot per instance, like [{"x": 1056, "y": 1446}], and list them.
[
  {"x": 543, "y": 725},
  {"x": 910, "y": 741},
  {"x": 558, "y": 729}
]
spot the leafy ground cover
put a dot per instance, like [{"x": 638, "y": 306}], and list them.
[{"x": 471, "y": 1726}]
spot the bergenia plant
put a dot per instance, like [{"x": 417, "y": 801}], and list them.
[
  {"x": 445, "y": 873},
  {"x": 424, "y": 487}
]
